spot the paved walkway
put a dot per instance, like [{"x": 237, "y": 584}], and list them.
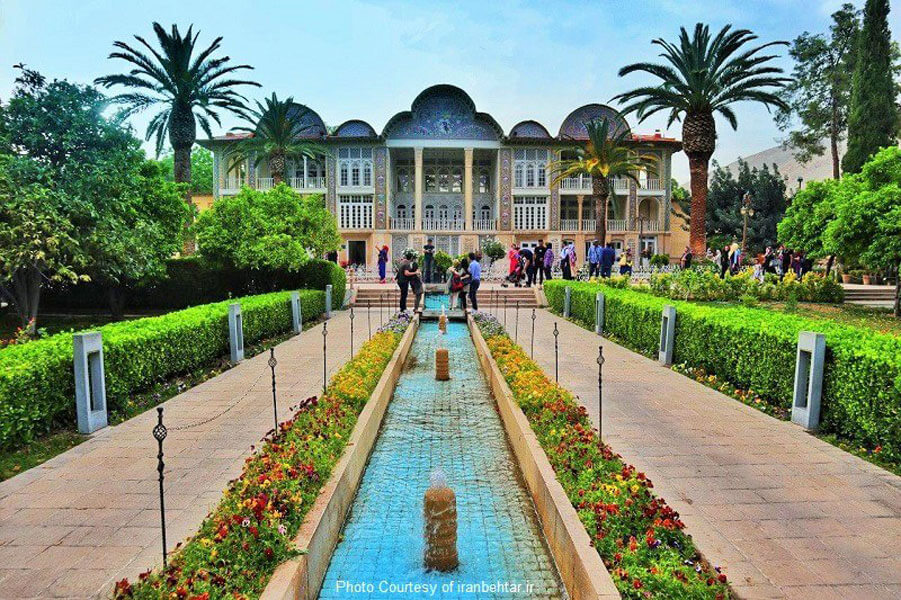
[
  {"x": 74, "y": 525},
  {"x": 787, "y": 515}
]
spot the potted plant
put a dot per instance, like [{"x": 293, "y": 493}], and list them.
[
  {"x": 847, "y": 277},
  {"x": 869, "y": 279}
]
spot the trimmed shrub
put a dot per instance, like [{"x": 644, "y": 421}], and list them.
[
  {"x": 755, "y": 349},
  {"x": 193, "y": 280},
  {"x": 37, "y": 388}
]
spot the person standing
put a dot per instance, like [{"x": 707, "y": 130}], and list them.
[
  {"x": 428, "y": 260},
  {"x": 548, "y": 261},
  {"x": 513, "y": 258},
  {"x": 724, "y": 261},
  {"x": 403, "y": 266},
  {"x": 625, "y": 263},
  {"x": 607, "y": 258},
  {"x": 594, "y": 259},
  {"x": 454, "y": 285},
  {"x": 383, "y": 263},
  {"x": 414, "y": 276},
  {"x": 540, "y": 250},
  {"x": 685, "y": 260},
  {"x": 566, "y": 262},
  {"x": 475, "y": 272}
]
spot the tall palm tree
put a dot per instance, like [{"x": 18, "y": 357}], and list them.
[
  {"x": 276, "y": 134},
  {"x": 190, "y": 87},
  {"x": 705, "y": 76},
  {"x": 606, "y": 154}
]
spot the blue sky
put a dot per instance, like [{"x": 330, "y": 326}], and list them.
[{"x": 368, "y": 60}]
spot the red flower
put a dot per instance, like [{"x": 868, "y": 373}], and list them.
[
  {"x": 636, "y": 584},
  {"x": 268, "y": 552}
]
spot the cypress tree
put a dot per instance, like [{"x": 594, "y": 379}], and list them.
[{"x": 873, "y": 122}]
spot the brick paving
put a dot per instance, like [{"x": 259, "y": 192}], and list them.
[
  {"x": 71, "y": 527},
  {"x": 787, "y": 515}
]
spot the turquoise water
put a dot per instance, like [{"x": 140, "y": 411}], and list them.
[
  {"x": 452, "y": 425},
  {"x": 435, "y": 301}
]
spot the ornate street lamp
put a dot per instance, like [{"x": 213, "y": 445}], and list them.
[{"x": 746, "y": 211}]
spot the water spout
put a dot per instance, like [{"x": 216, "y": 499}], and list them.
[
  {"x": 442, "y": 364},
  {"x": 440, "y": 511}
]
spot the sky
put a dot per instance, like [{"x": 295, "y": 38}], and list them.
[{"x": 368, "y": 59}]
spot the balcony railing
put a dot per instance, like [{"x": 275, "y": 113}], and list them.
[
  {"x": 309, "y": 183},
  {"x": 582, "y": 183},
  {"x": 264, "y": 183},
  {"x": 569, "y": 224},
  {"x": 648, "y": 225},
  {"x": 484, "y": 225},
  {"x": 652, "y": 185},
  {"x": 442, "y": 225},
  {"x": 616, "y": 225},
  {"x": 234, "y": 182},
  {"x": 405, "y": 223}
]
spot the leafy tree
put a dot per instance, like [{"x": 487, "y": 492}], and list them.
[
  {"x": 605, "y": 155},
  {"x": 681, "y": 204},
  {"x": 820, "y": 93},
  {"x": 811, "y": 211},
  {"x": 276, "y": 229},
  {"x": 276, "y": 134},
  {"x": 873, "y": 122},
  {"x": 201, "y": 170},
  {"x": 705, "y": 75},
  {"x": 190, "y": 87},
  {"x": 767, "y": 189},
  {"x": 37, "y": 239},
  {"x": 80, "y": 180}
]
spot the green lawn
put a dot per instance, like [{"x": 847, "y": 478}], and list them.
[{"x": 878, "y": 319}]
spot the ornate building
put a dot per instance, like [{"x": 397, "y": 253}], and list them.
[{"x": 445, "y": 171}]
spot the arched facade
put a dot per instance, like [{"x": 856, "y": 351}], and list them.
[{"x": 444, "y": 170}]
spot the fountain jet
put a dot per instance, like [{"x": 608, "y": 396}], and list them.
[
  {"x": 440, "y": 511},
  {"x": 442, "y": 364}
]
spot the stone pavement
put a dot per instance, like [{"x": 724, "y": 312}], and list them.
[
  {"x": 786, "y": 514},
  {"x": 73, "y": 526}
]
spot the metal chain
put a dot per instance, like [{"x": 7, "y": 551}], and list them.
[{"x": 231, "y": 406}]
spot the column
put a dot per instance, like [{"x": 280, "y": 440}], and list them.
[
  {"x": 579, "y": 199},
  {"x": 218, "y": 172},
  {"x": 467, "y": 188},
  {"x": 417, "y": 186}
]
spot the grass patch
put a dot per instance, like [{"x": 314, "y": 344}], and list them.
[{"x": 13, "y": 462}]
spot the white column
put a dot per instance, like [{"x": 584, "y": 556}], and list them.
[
  {"x": 305, "y": 186},
  {"x": 467, "y": 188},
  {"x": 417, "y": 186}
]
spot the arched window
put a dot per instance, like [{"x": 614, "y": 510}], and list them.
[
  {"x": 519, "y": 176},
  {"x": 444, "y": 180},
  {"x": 458, "y": 213},
  {"x": 431, "y": 179},
  {"x": 345, "y": 174},
  {"x": 367, "y": 173},
  {"x": 484, "y": 181},
  {"x": 542, "y": 177},
  {"x": 428, "y": 212},
  {"x": 401, "y": 211},
  {"x": 355, "y": 173},
  {"x": 530, "y": 175},
  {"x": 442, "y": 212},
  {"x": 485, "y": 212}
]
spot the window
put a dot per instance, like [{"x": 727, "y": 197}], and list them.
[
  {"x": 529, "y": 212},
  {"x": 355, "y": 167},
  {"x": 457, "y": 180},
  {"x": 401, "y": 211},
  {"x": 529, "y": 167},
  {"x": 355, "y": 211},
  {"x": 485, "y": 212},
  {"x": 428, "y": 212},
  {"x": 484, "y": 181},
  {"x": 404, "y": 180}
]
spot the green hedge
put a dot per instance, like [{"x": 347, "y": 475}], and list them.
[
  {"x": 755, "y": 349},
  {"x": 37, "y": 388},
  {"x": 193, "y": 280}
]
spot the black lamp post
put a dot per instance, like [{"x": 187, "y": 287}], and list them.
[{"x": 746, "y": 212}]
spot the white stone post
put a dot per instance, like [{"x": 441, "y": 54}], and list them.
[
  {"x": 667, "y": 333},
  {"x": 296, "y": 315},
  {"x": 418, "y": 183},
  {"x": 808, "y": 390},
  {"x": 567, "y": 300},
  {"x": 235, "y": 333},
  {"x": 328, "y": 301},
  {"x": 599, "y": 305},
  {"x": 90, "y": 384}
]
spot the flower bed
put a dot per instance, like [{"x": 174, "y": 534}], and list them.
[
  {"x": 640, "y": 539},
  {"x": 251, "y": 532},
  {"x": 37, "y": 388},
  {"x": 755, "y": 349}
]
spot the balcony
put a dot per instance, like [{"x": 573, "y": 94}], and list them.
[
  {"x": 307, "y": 183},
  {"x": 442, "y": 225},
  {"x": 484, "y": 225},
  {"x": 403, "y": 224},
  {"x": 648, "y": 225},
  {"x": 582, "y": 184},
  {"x": 264, "y": 183},
  {"x": 569, "y": 225},
  {"x": 652, "y": 185}
]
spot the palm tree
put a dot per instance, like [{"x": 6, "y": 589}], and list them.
[
  {"x": 705, "y": 76},
  {"x": 191, "y": 88},
  {"x": 276, "y": 134},
  {"x": 604, "y": 156}
]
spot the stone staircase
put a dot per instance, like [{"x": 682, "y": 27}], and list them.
[
  {"x": 870, "y": 295},
  {"x": 389, "y": 295}
]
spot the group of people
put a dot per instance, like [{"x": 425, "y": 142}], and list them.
[
  {"x": 533, "y": 265},
  {"x": 601, "y": 260},
  {"x": 777, "y": 261},
  {"x": 463, "y": 277}
]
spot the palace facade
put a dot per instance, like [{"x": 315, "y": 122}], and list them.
[{"x": 445, "y": 171}]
